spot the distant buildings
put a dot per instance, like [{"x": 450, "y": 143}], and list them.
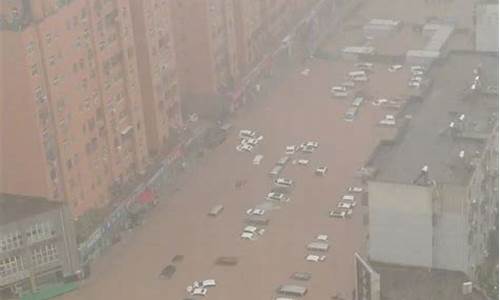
[
  {"x": 37, "y": 244},
  {"x": 433, "y": 201},
  {"x": 486, "y": 26}
]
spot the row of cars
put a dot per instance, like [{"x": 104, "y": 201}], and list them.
[
  {"x": 200, "y": 288},
  {"x": 248, "y": 140},
  {"x": 346, "y": 204},
  {"x": 359, "y": 76}
]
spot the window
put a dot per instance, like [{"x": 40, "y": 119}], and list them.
[
  {"x": 10, "y": 241},
  {"x": 39, "y": 232},
  {"x": 44, "y": 254},
  {"x": 11, "y": 265}
]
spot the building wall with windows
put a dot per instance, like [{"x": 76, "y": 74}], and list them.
[
  {"x": 74, "y": 123},
  {"x": 37, "y": 243},
  {"x": 155, "y": 54}
]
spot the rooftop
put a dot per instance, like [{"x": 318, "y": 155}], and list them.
[
  {"x": 17, "y": 207},
  {"x": 438, "y": 133},
  {"x": 411, "y": 283}
]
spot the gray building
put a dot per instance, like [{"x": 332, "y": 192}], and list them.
[
  {"x": 433, "y": 200},
  {"x": 486, "y": 26},
  {"x": 37, "y": 243}
]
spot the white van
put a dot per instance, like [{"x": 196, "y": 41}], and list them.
[
  {"x": 292, "y": 290},
  {"x": 216, "y": 210},
  {"x": 318, "y": 246}
]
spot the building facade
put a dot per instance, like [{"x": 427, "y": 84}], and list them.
[
  {"x": 157, "y": 71},
  {"x": 205, "y": 43},
  {"x": 74, "y": 122},
  {"x": 37, "y": 244}
]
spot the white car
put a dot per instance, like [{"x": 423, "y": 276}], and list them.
[
  {"x": 322, "y": 237},
  {"x": 340, "y": 94},
  {"x": 199, "y": 292},
  {"x": 340, "y": 213},
  {"x": 283, "y": 182},
  {"x": 416, "y": 78},
  {"x": 247, "y": 134},
  {"x": 379, "y": 102},
  {"x": 290, "y": 149},
  {"x": 244, "y": 147},
  {"x": 251, "y": 142},
  {"x": 349, "y": 84},
  {"x": 417, "y": 68},
  {"x": 257, "y": 159},
  {"x": 315, "y": 258},
  {"x": 413, "y": 83},
  {"x": 360, "y": 78},
  {"x": 355, "y": 189},
  {"x": 248, "y": 236},
  {"x": 417, "y": 73},
  {"x": 255, "y": 212},
  {"x": 345, "y": 205},
  {"x": 254, "y": 230},
  {"x": 314, "y": 145},
  {"x": 349, "y": 199},
  {"x": 321, "y": 171},
  {"x": 208, "y": 283},
  {"x": 338, "y": 89},
  {"x": 273, "y": 196},
  {"x": 303, "y": 162},
  {"x": 364, "y": 66},
  {"x": 395, "y": 68}
]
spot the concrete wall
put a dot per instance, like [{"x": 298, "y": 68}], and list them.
[{"x": 400, "y": 224}]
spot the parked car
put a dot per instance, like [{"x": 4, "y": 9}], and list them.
[
  {"x": 255, "y": 211},
  {"x": 246, "y": 134},
  {"x": 338, "y": 89},
  {"x": 283, "y": 160},
  {"x": 315, "y": 258},
  {"x": 208, "y": 283},
  {"x": 290, "y": 149},
  {"x": 303, "y": 162},
  {"x": 349, "y": 84},
  {"x": 365, "y": 66},
  {"x": 340, "y": 213},
  {"x": 244, "y": 147},
  {"x": 354, "y": 189},
  {"x": 283, "y": 182},
  {"x": 395, "y": 68},
  {"x": 257, "y": 159},
  {"x": 277, "y": 197},
  {"x": 349, "y": 199},
  {"x": 321, "y": 171},
  {"x": 345, "y": 205}
]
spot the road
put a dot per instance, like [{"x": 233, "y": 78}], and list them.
[{"x": 297, "y": 110}]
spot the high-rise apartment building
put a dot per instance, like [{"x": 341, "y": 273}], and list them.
[
  {"x": 72, "y": 123},
  {"x": 205, "y": 43},
  {"x": 157, "y": 71}
]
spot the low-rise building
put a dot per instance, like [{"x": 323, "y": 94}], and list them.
[
  {"x": 37, "y": 243},
  {"x": 433, "y": 202}
]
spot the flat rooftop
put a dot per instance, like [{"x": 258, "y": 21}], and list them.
[
  {"x": 429, "y": 140},
  {"x": 412, "y": 283},
  {"x": 16, "y": 207}
]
